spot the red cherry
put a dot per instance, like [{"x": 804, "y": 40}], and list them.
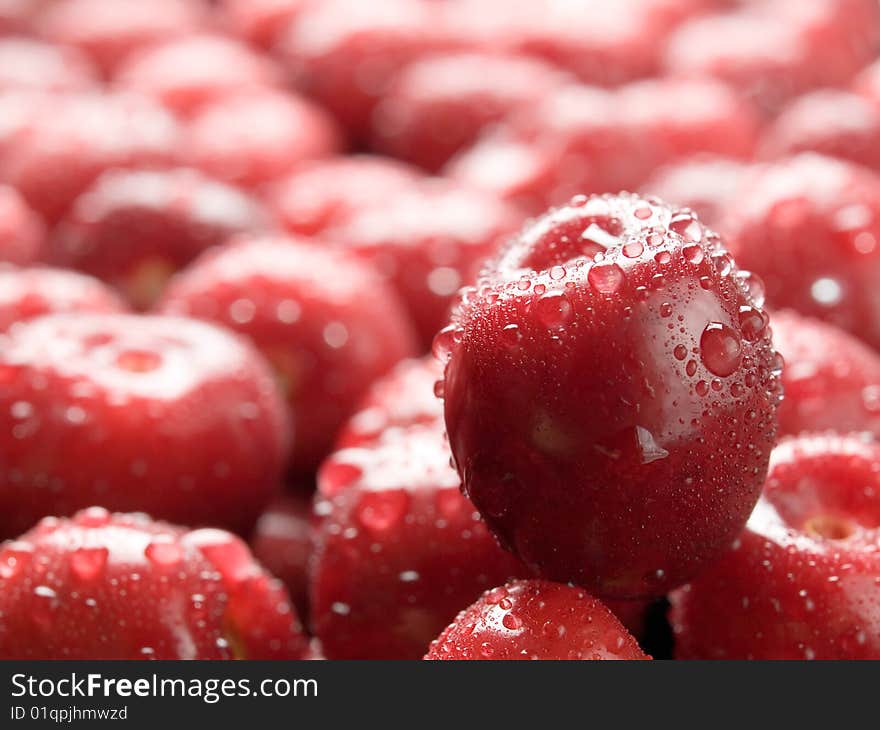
[
  {"x": 831, "y": 122},
  {"x": 166, "y": 415},
  {"x": 599, "y": 380},
  {"x": 809, "y": 227},
  {"x": 831, "y": 379},
  {"x": 428, "y": 241},
  {"x": 803, "y": 579},
  {"x": 398, "y": 549},
  {"x": 346, "y": 53},
  {"x": 705, "y": 184},
  {"x": 68, "y": 589},
  {"x": 589, "y": 140},
  {"x": 602, "y": 43},
  {"x": 187, "y": 73},
  {"x": 318, "y": 195},
  {"x": 165, "y": 219},
  {"x": 405, "y": 397},
  {"x": 282, "y": 543},
  {"x": 18, "y": 16},
  {"x": 31, "y": 64},
  {"x": 29, "y": 293},
  {"x": 439, "y": 105},
  {"x": 60, "y": 144},
  {"x": 773, "y": 51},
  {"x": 683, "y": 117},
  {"x": 254, "y": 138},
  {"x": 327, "y": 323},
  {"x": 22, "y": 233},
  {"x": 535, "y": 619},
  {"x": 110, "y": 30}
]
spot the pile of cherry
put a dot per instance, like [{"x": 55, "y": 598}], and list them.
[{"x": 231, "y": 232}]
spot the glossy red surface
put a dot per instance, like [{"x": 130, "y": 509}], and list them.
[
  {"x": 803, "y": 579},
  {"x": 328, "y": 325},
  {"x": 170, "y": 416},
  {"x": 809, "y": 227},
  {"x": 610, "y": 395},
  {"x": 102, "y": 586},
  {"x": 535, "y": 619},
  {"x": 398, "y": 549}
]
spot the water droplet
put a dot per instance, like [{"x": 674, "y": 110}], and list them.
[
  {"x": 557, "y": 273},
  {"x": 382, "y": 511},
  {"x": 242, "y": 311},
  {"x": 511, "y": 622},
  {"x": 753, "y": 322},
  {"x": 693, "y": 254},
  {"x": 680, "y": 352},
  {"x": 633, "y": 249},
  {"x": 92, "y": 517},
  {"x": 643, "y": 213},
  {"x": 164, "y": 553},
  {"x": 665, "y": 309},
  {"x": 649, "y": 449},
  {"x": 723, "y": 264},
  {"x": 511, "y": 336},
  {"x": 826, "y": 291},
  {"x": 439, "y": 388},
  {"x": 688, "y": 227},
  {"x": 15, "y": 558},
  {"x": 606, "y": 278},
  {"x": 754, "y": 285},
  {"x": 444, "y": 341},
  {"x": 138, "y": 361},
  {"x": 720, "y": 349},
  {"x": 871, "y": 398},
  {"x": 702, "y": 387},
  {"x": 88, "y": 563},
  {"x": 340, "y": 608},
  {"x": 336, "y": 335},
  {"x": 663, "y": 257},
  {"x": 21, "y": 409},
  {"x": 554, "y": 310},
  {"x": 691, "y": 367},
  {"x": 598, "y": 236},
  {"x": 227, "y": 553},
  {"x": 288, "y": 311}
]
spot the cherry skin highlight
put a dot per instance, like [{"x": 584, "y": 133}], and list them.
[
  {"x": 610, "y": 395},
  {"x": 30, "y": 292},
  {"x": 318, "y": 195}
]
